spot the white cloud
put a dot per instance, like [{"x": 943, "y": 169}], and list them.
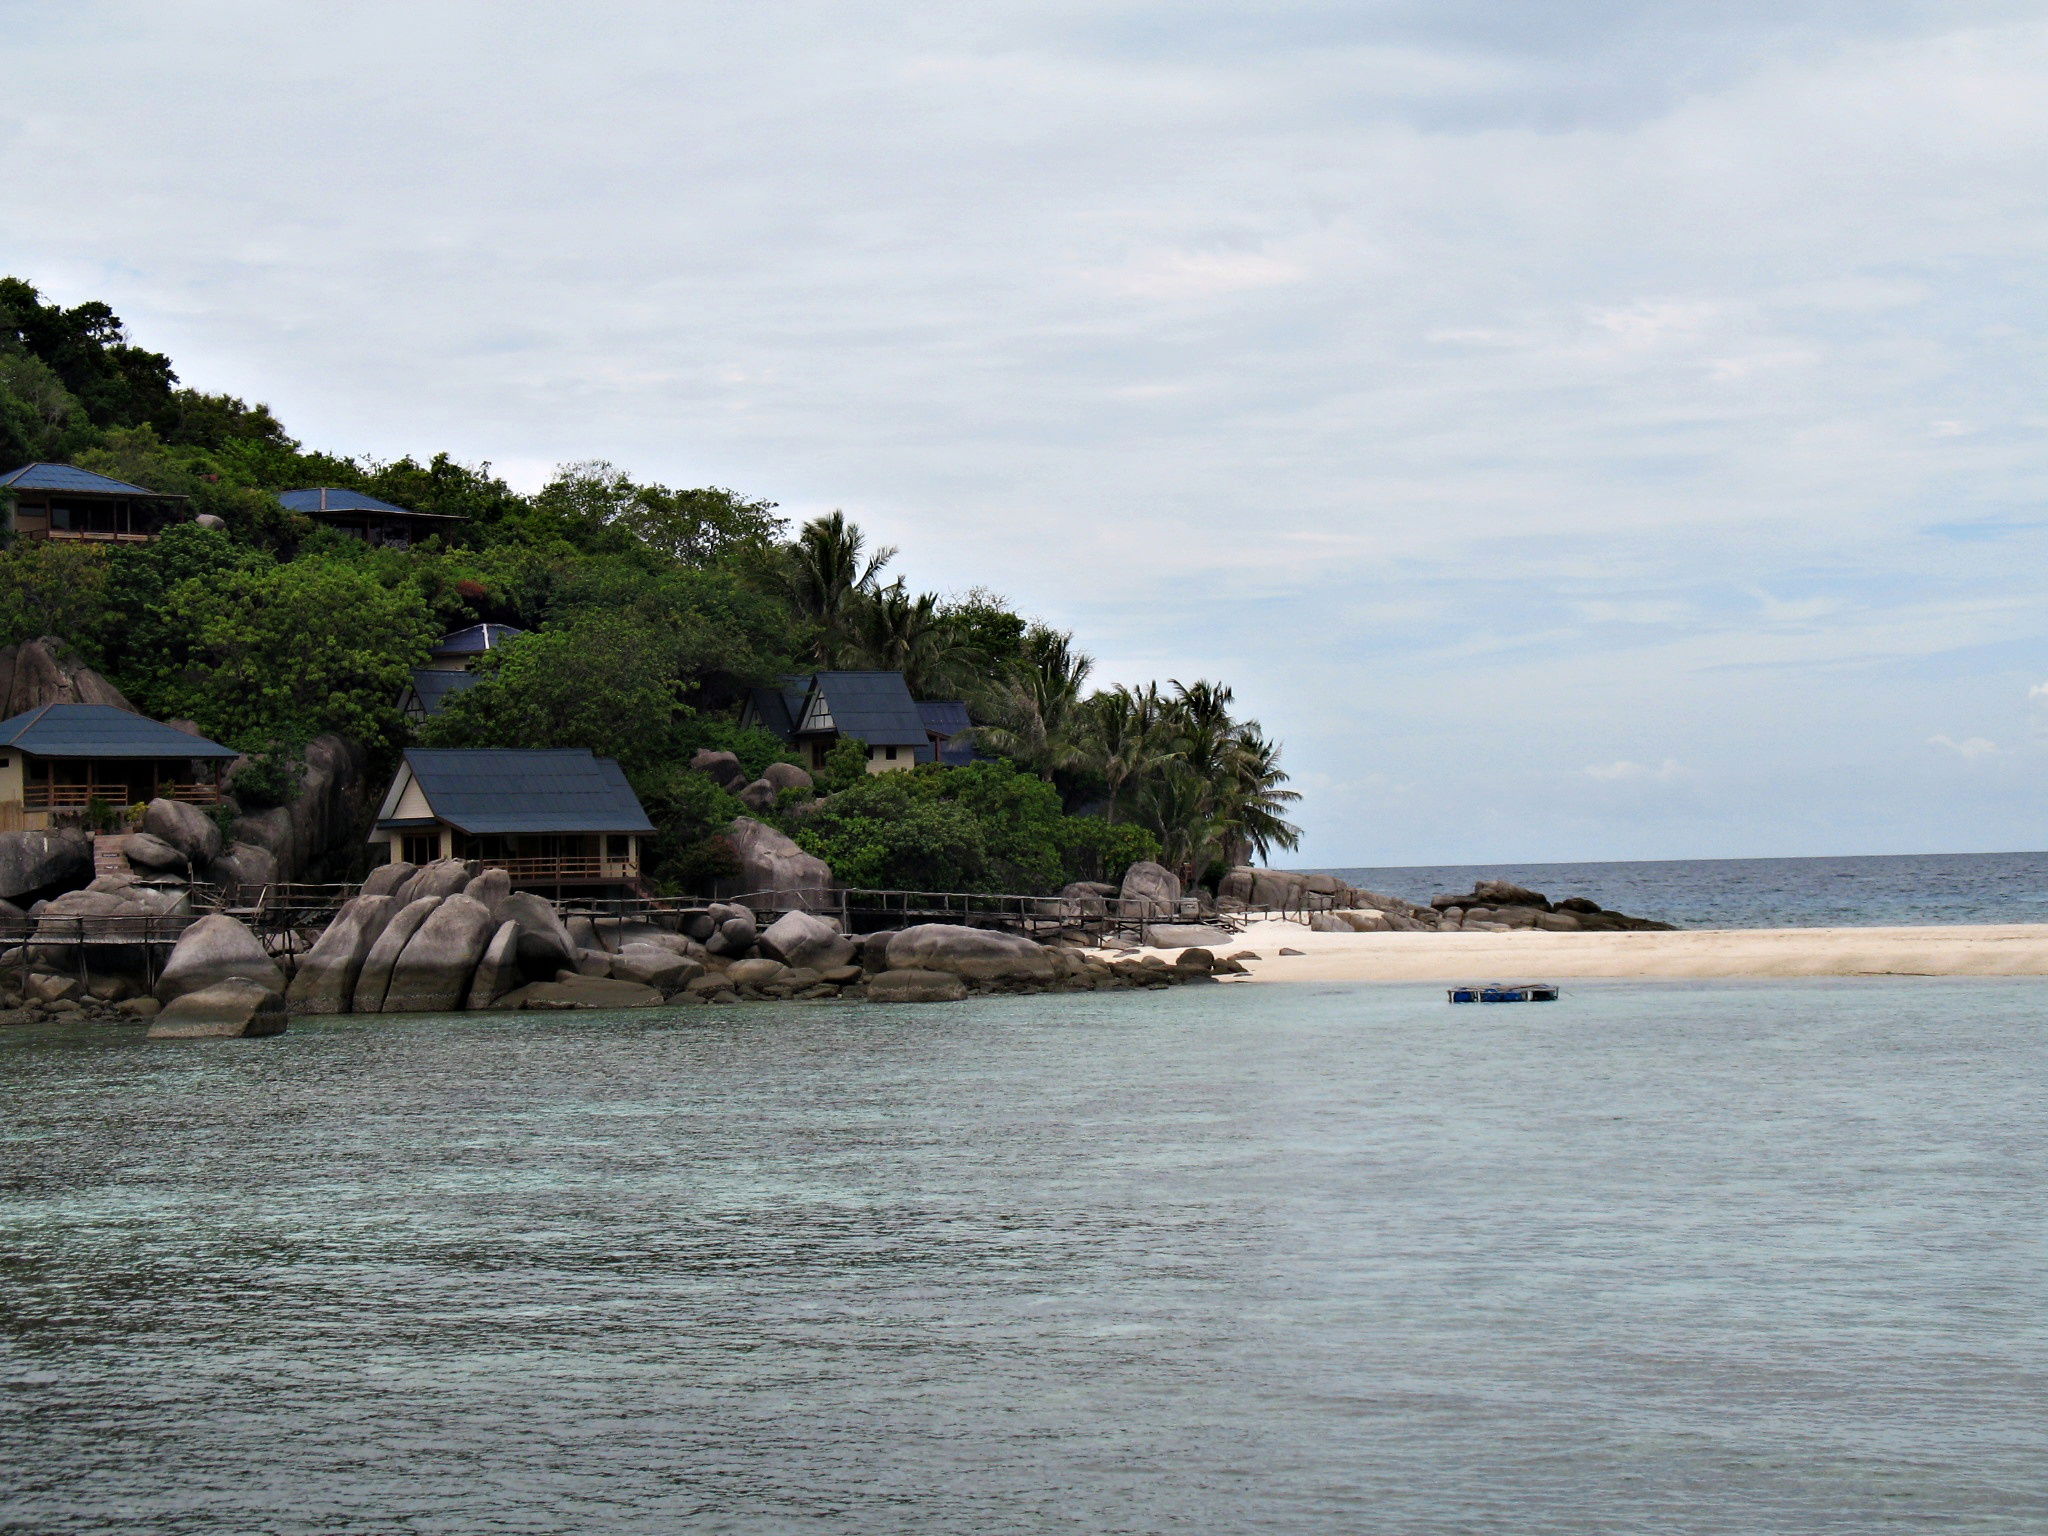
[
  {"x": 1626, "y": 771},
  {"x": 1970, "y": 747}
]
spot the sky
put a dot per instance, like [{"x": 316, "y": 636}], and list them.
[{"x": 1577, "y": 429}]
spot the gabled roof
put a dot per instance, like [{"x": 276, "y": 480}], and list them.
[
  {"x": 948, "y": 717},
  {"x": 101, "y": 730},
  {"x": 779, "y": 709},
  {"x": 433, "y": 687},
  {"x": 476, "y": 639},
  {"x": 69, "y": 477},
  {"x": 492, "y": 789},
  {"x": 874, "y": 706},
  {"x": 330, "y": 498}
]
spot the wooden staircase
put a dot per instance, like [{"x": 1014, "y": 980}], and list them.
[{"x": 107, "y": 857}]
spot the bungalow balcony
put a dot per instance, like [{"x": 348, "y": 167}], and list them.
[{"x": 116, "y": 794}]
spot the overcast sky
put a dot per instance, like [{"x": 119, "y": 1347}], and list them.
[{"x": 1578, "y": 428}]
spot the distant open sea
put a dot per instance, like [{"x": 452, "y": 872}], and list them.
[{"x": 1873, "y": 892}]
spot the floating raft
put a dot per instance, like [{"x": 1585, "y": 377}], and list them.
[{"x": 1505, "y": 992}]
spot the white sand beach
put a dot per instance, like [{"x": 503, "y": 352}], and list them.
[{"x": 2011, "y": 949}]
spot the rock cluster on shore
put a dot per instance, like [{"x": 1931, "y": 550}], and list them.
[{"x": 1492, "y": 906}]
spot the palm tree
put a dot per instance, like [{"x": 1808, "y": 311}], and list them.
[
  {"x": 1254, "y": 823},
  {"x": 1034, "y": 713},
  {"x": 894, "y": 632},
  {"x": 825, "y": 575},
  {"x": 1126, "y": 741}
]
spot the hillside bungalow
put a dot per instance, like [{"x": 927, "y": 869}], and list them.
[
  {"x": 447, "y": 671},
  {"x": 375, "y": 522},
  {"x": 62, "y": 503},
  {"x": 811, "y": 711},
  {"x": 458, "y": 651},
  {"x": 551, "y": 818},
  {"x": 61, "y": 758}
]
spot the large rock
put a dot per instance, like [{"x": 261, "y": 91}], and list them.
[
  {"x": 915, "y": 986},
  {"x": 755, "y": 973},
  {"x": 216, "y": 948},
  {"x": 722, "y": 767},
  {"x": 771, "y": 863},
  {"x": 758, "y": 797},
  {"x": 244, "y": 869},
  {"x": 328, "y": 972},
  {"x": 781, "y": 776},
  {"x": 1504, "y": 893},
  {"x": 388, "y": 879},
  {"x": 978, "y": 954},
  {"x": 735, "y": 936},
  {"x": 1150, "y": 890},
  {"x": 498, "y": 972},
  {"x": 186, "y": 828},
  {"x": 652, "y": 965},
  {"x": 544, "y": 942},
  {"x": 580, "y": 992},
  {"x": 314, "y": 834},
  {"x": 434, "y": 970},
  {"x": 491, "y": 888},
  {"x": 443, "y": 877},
  {"x": 375, "y": 978},
  {"x": 149, "y": 851},
  {"x": 1329, "y": 922},
  {"x": 48, "y": 671},
  {"x": 800, "y": 938},
  {"x": 1183, "y": 935},
  {"x": 36, "y": 861},
  {"x": 229, "y": 1009}
]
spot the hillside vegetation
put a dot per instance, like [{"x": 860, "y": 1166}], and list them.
[{"x": 653, "y": 610}]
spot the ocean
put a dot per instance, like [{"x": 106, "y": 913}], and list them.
[
  {"x": 1704, "y": 1260},
  {"x": 1869, "y": 892}
]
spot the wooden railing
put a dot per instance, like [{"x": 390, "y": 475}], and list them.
[
  {"x": 85, "y": 536},
  {"x": 76, "y": 797},
  {"x": 574, "y": 867}
]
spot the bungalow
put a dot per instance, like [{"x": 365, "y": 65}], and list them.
[
  {"x": 63, "y": 503},
  {"x": 374, "y": 521},
  {"x": 62, "y": 758},
  {"x": 548, "y": 817},
  {"x": 811, "y": 711},
  {"x": 447, "y": 671}
]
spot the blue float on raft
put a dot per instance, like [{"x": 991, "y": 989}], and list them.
[{"x": 1504, "y": 992}]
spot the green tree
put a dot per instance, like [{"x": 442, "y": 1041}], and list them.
[
  {"x": 288, "y": 651},
  {"x": 54, "y": 589},
  {"x": 826, "y": 576}
]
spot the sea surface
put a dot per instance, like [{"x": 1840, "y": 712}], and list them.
[
  {"x": 1877, "y": 891},
  {"x": 1668, "y": 1258}
]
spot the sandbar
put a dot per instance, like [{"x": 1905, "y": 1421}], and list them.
[{"x": 2001, "y": 949}]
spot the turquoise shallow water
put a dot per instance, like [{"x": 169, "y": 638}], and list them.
[{"x": 1658, "y": 1258}]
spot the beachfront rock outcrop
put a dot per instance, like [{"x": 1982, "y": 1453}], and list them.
[
  {"x": 1152, "y": 890},
  {"x": 915, "y": 986},
  {"x": 38, "y": 861},
  {"x": 653, "y": 965},
  {"x": 544, "y": 942},
  {"x": 1328, "y": 922},
  {"x": 491, "y": 888},
  {"x": 498, "y": 972},
  {"x": 801, "y": 938},
  {"x": 433, "y": 972},
  {"x": 580, "y": 992},
  {"x": 243, "y": 867},
  {"x": 735, "y": 934},
  {"x": 399, "y": 928},
  {"x": 214, "y": 949},
  {"x": 328, "y": 972},
  {"x": 1181, "y": 935},
  {"x": 769, "y": 861},
  {"x": 443, "y": 877},
  {"x": 148, "y": 851},
  {"x": 186, "y": 828},
  {"x": 227, "y": 1009},
  {"x": 388, "y": 879},
  {"x": 723, "y": 768},
  {"x": 978, "y": 954}
]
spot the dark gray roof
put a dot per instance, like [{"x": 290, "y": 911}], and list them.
[
  {"x": 492, "y": 789},
  {"x": 69, "y": 477},
  {"x": 476, "y": 639},
  {"x": 874, "y": 706},
  {"x": 435, "y": 687},
  {"x": 101, "y": 730},
  {"x": 948, "y": 717},
  {"x": 776, "y": 709},
  {"x": 329, "y": 498}
]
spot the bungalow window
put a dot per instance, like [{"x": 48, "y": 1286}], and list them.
[
  {"x": 421, "y": 847},
  {"x": 619, "y": 847},
  {"x": 891, "y": 752}
]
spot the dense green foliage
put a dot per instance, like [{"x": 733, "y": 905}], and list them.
[{"x": 652, "y": 609}]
